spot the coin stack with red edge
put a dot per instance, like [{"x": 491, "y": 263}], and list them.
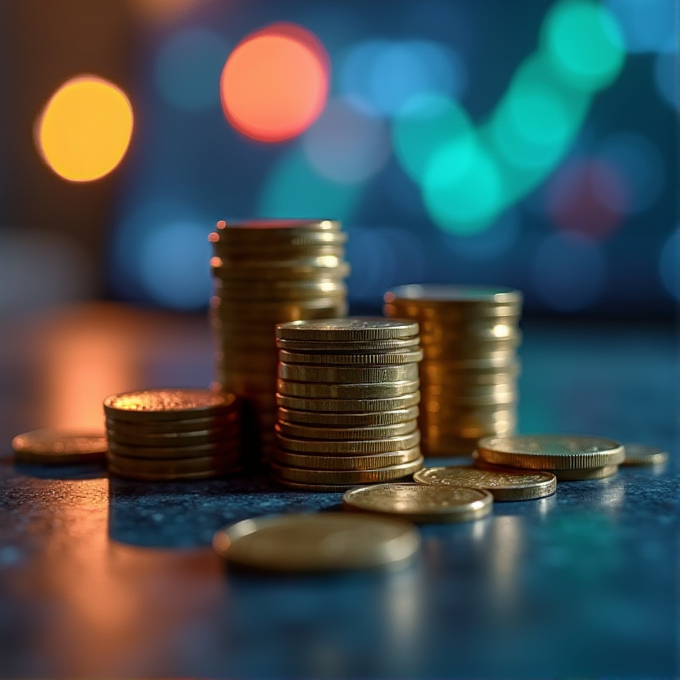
[
  {"x": 468, "y": 376},
  {"x": 348, "y": 403},
  {"x": 173, "y": 434},
  {"x": 266, "y": 272}
]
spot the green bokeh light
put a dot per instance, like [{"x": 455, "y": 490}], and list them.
[
  {"x": 294, "y": 189},
  {"x": 422, "y": 126},
  {"x": 463, "y": 190},
  {"x": 585, "y": 43}
]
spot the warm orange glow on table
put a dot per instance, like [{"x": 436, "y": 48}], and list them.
[
  {"x": 85, "y": 128},
  {"x": 275, "y": 82}
]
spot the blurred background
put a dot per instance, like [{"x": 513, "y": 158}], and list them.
[{"x": 528, "y": 144}]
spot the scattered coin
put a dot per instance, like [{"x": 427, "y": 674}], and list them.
[
  {"x": 642, "y": 454},
  {"x": 60, "y": 447},
  {"x": 316, "y": 543},
  {"x": 503, "y": 484},
  {"x": 421, "y": 503}
]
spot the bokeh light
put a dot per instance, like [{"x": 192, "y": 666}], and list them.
[
  {"x": 584, "y": 42},
  {"x": 669, "y": 264},
  {"x": 188, "y": 66},
  {"x": 640, "y": 166},
  {"x": 569, "y": 272},
  {"x": 587, "y": 197},
  {"x": 383, "y": 75},
  {"x": 420, "y": 128},
  {"x": 647, "y": 25},
  {"x": 666, "y": 75},
  {"x": 491, "y": 244},
  {"x": 275, "y": 82},
  {"x": 85, "y": 128},
  {"x": 346, "y": 145},
  {"x": 164, "y": 11}
]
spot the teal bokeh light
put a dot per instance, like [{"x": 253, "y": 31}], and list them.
[
  {"x": 425, "y": 124},
  {"x": 585, "y": 43}
]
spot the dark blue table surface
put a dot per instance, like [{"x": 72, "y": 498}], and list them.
[{"x": 107, "y": 578}]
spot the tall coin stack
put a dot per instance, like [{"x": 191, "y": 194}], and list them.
[
  {"x": 266, "y": 272},
  {"x": 348, "y": 394},
  {"x": 469, "y": 372},
  {"x": 172, "y": 434}
]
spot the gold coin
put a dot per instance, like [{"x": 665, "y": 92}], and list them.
[
  {"x": 341, "y": 406},
  {"x": 327, "y": 447},
  {"x": 382, "y": 359},
  {"x": 175, "y": 426},
  {"x": 269, "y": 230},
  {"x": 585, "y": 474},
  {"x": 504, "y": 484},
  {"x": 370, "y": 462},
  {"x": 352, "y": 346},
  {"x": 437, "y": 295},
  {"x": 321, "y": 542},
  {"x": 344, "y": 330},
  {"x": 551, "y": 452},
  {"x": 317, "y": 488},
  {"x": 337, "y": 433},
  {"x": 168, "y": 404},
  {"x": 232, "y": 252},
  {"x": 352, "y": 375},
  {"x": 360, "y": 391},
  {"x": 348, "y": 419},
  {"x": 228, "y": 447},
  {"x": 436, "y": 406},
  {"x": 421, "y": 503},
  {"x": 169, "y": 439},
  {"x": 177, "y": 477},
  {"x": 171, "y": 466},
  {"x": 454, "y": 393},
  {"x": 266, "y": 290},
  {"x": 60, "y": 447},
  {"x": 469, "y": 380},
  {"x": 262, "y": 319},
  {"x": 642, "y": 454},
  {"x": 323, "y": 267},
  {"x": 337, "y": 477},
  {"x": 499, "y": 400}
]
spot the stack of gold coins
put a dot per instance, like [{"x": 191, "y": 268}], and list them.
[
  {"x": 568, "y": 457},
  {"x": 172, "y": 434},
  {"x": 268, "y": 272},
  {"x": 348, "y": 394},
  {"x": 468, "y": 375}
]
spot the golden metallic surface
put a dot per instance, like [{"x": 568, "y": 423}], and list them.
[
  {"x": 446, "y": 295},
  {"x": 343, "y": 406},
  {"x": 359, "y": 391},
  {"x": 60, "y": 447},
  {"x": 336, "y": 477},
  {"x": 323, "y": 267},
  {"x": 642, "y": 454},
  {"x": 352, "y": 375},
  {"x": 420, "y": 503},
  {"x": 551, "y": 452},
  {"x": 227, "y": 447},
  {"x": 132, "y": 438},
  {"x": 174, "y": 477},
  {"x": 343, "y": 330},
  {"x": 280, "y": 292},
  {"x": 352, "y": 346},
  {"x": 456, "y": 393},
  {"x": 450, "y": 432},
  {"x": 338, "y": 433},
  {"x": 175, "y": 426},
  {"x": 352, "y": 447},
  {"x": 363, "y": 358},
  {"x": 317, "y": 488},
  {"x": 171, "y": 466},
  {"x": 504, "y": 484},
  {"x": 343, "y": 419},
  {"x": 253, "y": 319},
  {"x": 585, "y": 474},
  {"x": 268, "y": 230},
  {"x": 321, "y": 542},
  {"x": 370, "y": 462},
  {"x": 168, "y": 404}
]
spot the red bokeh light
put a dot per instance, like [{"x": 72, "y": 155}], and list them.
[{"x": 275, "y": 83}]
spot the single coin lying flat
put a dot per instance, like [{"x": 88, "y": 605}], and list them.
[
  {"x": 60, "y": 447},
  {"x": 503, "y": 484},
  {"x": 317, "y": 543},
  {"x": 421, "y": 503},
  {"x": 642, "y": 454}
]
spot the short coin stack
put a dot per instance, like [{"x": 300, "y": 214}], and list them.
[
  {"x": 268, "y": 272},
  {"x": 468, "y": 375},
  {"x": 568, "y": 457},
  {"x": 348, "y": 394},
  {"x": 172, "y": 434}
]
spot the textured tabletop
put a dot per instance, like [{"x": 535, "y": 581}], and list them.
[{"x": 109, "y": 578}]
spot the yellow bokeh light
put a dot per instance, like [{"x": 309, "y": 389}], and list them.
[{"x": 85, "y": 128}]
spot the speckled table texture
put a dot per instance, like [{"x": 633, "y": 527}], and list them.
[{"x": 108, "y": 578}]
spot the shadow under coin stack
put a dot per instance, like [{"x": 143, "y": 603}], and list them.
[
  {"x": 348, "y": 394},
  {"x": 172, "y": 434},
  {"x": 468, "y": 376},
  {"x": 267, "y": 272}
]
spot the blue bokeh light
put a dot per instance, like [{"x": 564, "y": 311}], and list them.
[{"x": 647, "y": 25}]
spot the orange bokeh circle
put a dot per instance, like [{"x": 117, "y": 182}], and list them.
[{"x": 275, "y": 83}]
